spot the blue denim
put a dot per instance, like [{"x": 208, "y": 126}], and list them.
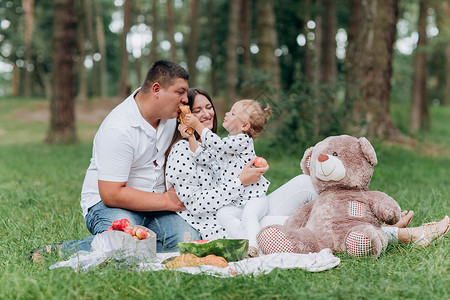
[{"x": 169, "y": 227}]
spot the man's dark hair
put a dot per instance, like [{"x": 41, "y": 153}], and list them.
[{"x": 165, "y": 73}]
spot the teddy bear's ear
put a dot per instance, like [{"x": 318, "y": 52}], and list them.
[
  {"x": 368, "y": 151},
  {"x": 306, "y": 160}
]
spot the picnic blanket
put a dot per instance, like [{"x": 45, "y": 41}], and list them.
[
  {"x": 264, "y": 264},
  {"x": 106, "y": 248}
]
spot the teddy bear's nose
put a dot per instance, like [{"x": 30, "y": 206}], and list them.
[{"x": 323, "y": 157}]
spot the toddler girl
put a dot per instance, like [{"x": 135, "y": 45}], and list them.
[{"x": 244, "y": 122}]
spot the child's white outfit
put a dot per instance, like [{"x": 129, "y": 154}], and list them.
[{"x": 241, "y": 217}]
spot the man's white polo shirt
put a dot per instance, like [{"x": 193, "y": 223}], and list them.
[{"x": 127, "y": 149}]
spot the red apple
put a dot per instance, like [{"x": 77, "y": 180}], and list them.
[
  {"x": 260, "y": 162},
  {"x": 128, "y": 229},
  {"x": 141, "y": 233},
  {"x": 134, "y": 230},
  {"x": 120, "y": 224}
]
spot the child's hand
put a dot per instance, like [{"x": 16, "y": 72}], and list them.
[
  {"x": 182, "y": 129},
  {"x": 192, "y": 121}
]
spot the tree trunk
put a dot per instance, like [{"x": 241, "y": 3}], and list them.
[
  {"x": 308, "y": 60},
  {"x": 213, "y": 47},
  {"x": 268, "y": 42},
  {"x": 15, "y": 81},
  {"x": 45, "y": 79},
  {"x": 328, "y": 63},
  {"x": 124, "y": 86},
  {"x": 419, "y": 119},
  {"x": 154, "y": 25},
  {"x": 28, "y": 7},
  {"x": 82, "y": 85},
  {"x": 232, "y": 72},
  {"x": 92, "y": 48},
  {"x": 62, "y": 123},
  {"x": 171, "y": 30},
  {"x": 245, "y": 43},
  {"x": 193, "y": 41},
  {"x": 443, "y": 23},
  {"x": 101, "y": 48},
  {"x": 369, "y": 69}
]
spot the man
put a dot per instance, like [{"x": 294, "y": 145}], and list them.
[{"x": 126, "y": 176}]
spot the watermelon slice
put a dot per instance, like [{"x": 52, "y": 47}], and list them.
[{"x": 230, "y": 249}]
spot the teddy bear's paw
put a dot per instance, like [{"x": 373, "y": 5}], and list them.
[
  {"x": 273, "y": 240},
  {"x": 358, "y": 244}
]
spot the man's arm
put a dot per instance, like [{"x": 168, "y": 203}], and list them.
[{"x": 117, "y": 194}]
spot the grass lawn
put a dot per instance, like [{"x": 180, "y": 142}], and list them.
[{"x": 39, "y": 203}]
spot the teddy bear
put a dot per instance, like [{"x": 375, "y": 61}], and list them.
[{"x": 346, "y": 216}]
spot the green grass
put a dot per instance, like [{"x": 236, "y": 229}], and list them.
[{"x": 39, "y": 203}]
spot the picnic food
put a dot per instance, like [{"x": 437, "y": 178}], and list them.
[
  {"x": 260, "y": 162},
  {"x": 184, "y": 110},
  {"x": 346, "y": 216},
  {"x": 191, "y": 260},
  {"x": 230, "y": 249},
  {"x": 120, "y": 224},
  {"x": 138, "y": 232}
]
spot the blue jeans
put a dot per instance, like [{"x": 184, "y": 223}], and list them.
[{"x": 169, "y": 227}]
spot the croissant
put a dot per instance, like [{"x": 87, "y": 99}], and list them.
[
  {"x": 184, "y": 109},
  {"x": 191, "y": 260}
]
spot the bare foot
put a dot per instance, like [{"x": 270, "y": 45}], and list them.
[
  {"x": 430, "y": 232},
  {"x": 405, "y": 219}
]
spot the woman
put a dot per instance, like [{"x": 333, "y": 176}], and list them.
[
  {"x": 199, "y": 186},
  {"x": 203, "y": 193}
]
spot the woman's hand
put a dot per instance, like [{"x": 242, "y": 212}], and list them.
[
  {"x": 182, "y": 128},
  {"x": 250, "y": 175},
  {"x": 172, "y": 201}
]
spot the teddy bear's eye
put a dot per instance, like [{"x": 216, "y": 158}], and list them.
[{"x": 335, "y": 154}]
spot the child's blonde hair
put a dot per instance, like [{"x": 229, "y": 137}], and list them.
[{"x": 257, "y": 116}]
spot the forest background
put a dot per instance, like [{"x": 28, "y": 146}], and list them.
[{"x": 325, "y": 67}]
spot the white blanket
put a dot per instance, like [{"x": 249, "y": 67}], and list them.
[
  {"x": 121, "y": 248},
  {"x": 312, "y": 262}
]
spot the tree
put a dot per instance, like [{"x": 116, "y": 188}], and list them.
[
  {"x": 28, "y": 7},
  {"x": 419, "y": 118},
  {"x": 371, "y": 38},
  {"x": 171, "y": 30},
  {"x": 101, "y": 47},
  {"x": 82, "y": 86},
  {"x": 62, "y": 123},
  {"x": 245, "y": 29},
  {"x": 213, "y": 49},
  {"x": 328, "y": 58},
  {"x": 268, "y": 42},
  {"x": 443, "y": 23},
  {"x": 124, "y": 86},
  {"x": 154, "y": 25},
  {"x": 92, "y": 47},
  {"x": 193, "y": 41},
  {"x": 232, "y": 71}
]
